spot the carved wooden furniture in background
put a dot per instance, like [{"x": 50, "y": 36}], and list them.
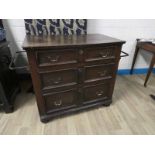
[
  {"x": 148, "y": 47},
  {"x": 71, "y": 73},
  {"x": 9, "y": 85}
]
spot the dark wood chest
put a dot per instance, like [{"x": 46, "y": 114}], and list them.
[{"x": 71, "y": 73}]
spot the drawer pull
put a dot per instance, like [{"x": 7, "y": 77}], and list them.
[
  {"x": 81, "y": 52},
  {"x": 103, "y": 54},
  {"x": 58, "y": 103},
  {"x": 99, "y": 93},
  {"x": 102, "y": 73},
  {"x": 53, "y": 59},
  {"x": 59, "y": 80}
]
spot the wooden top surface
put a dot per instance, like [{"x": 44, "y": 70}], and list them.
[
  {"x": 34, "y": 42},
  {"x": 147, "y": 46}
]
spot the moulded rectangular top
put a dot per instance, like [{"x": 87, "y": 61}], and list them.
[{"x": 36, "y": 42}]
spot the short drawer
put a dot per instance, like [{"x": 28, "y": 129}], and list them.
[
  {"x": 57, "y": 57},
  {"x": 99, "y": 53},
  {"x": 58, "y": 78},
  {"x": 98, "y": 72},
  {"x": 60, "y": 100},
  {"x": 96, "y": 93}
]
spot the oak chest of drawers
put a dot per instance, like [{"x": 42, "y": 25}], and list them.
[{"x": 71, "y": 73}]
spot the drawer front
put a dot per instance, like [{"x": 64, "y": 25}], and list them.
[
  {"x": 61, "y": 100},
  {"x": 98, "y": 72},
  {"x": 59, "y": 78},
  {"x": 57, "y": 57},
  {"x": 99, "y": 53},
  {"x": 96, "y": 93}
]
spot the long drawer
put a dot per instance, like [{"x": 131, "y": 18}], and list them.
[
  {"x": 73, "y": 56},
  {"x": 66, "y": 99},
  {"x": 71, "y": 77}
]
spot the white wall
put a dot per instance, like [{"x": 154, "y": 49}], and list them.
[
  {"x": 15, "y": 29},
  {"x": 15, "y": 33},
  {"x": 127, "y": 30}
]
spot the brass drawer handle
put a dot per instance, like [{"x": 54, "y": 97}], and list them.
[
  {"x": 58, "y": 103},
  {"x": 102, "y": 73},
  {"x": 53, "y": 59},
  {"x": 81, "y": 52},
  {"x": 103, "y": 54},
  {"x": 99, "y": 93},
  {"x": 59, "y": 80}
]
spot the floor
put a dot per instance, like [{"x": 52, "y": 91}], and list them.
[{"x": 132, "y": 112}]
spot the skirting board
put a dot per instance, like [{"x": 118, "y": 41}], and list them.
[{"x": 135, "y": 71}]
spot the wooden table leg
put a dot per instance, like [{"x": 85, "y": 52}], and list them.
[
  {"x": 150, "y": 70},
  {"x": 134, "y": 58},
  {"x": 152, "y": 96}
]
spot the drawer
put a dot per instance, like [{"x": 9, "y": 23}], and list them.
[
  {"x": 60, "y": 100},
  {"x": 58, "y": 78},
  {"x": 96, "y": 93},
  {"x": 99, "y": 53},
  {"x": 99, "y": 72},
  {"x": 57, "y": 57}
]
